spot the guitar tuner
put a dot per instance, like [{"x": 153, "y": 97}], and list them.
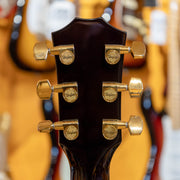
[
  {"x": 113, "y": 52},
  {"x": 69, "y": 90},
  {"x": 89, "y": 156},
  {"x": 65, "y": 52},
  {"x": 111, "y": 126},
  {"x": 70, "y": 128},
  {"x": 110, "y": 89}
]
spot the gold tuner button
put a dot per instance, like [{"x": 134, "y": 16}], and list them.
[
  {"x": 135, "y": 87},
  {"x": 135, "y": 125},
  {"x": 111, "y": 126},
  {"x": 113, "y": 51},
  {"x": 65, "y": 52},
  {"x": 45, "y": 127},
  {"x": 110, "y": 89},
  {"x": 69, "y": 90},
  {"x": 70, "y": 128}
]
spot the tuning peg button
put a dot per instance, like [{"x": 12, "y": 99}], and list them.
[
  {"x": 65, "y": 52},
  {"x": 111, "y": 126},
  {"x": 113, "y": 51},
  {"x": 69, "y": 90},
  {"x": 110, "y": 89},
  {"x": 70, "y": 128}
]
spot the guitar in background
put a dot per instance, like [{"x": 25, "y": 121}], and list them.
[
  {"x": 89, "y": 79},
  {"x": 166, "y": 138},
  {"x": 4, "y": 129},
  {"x": 170, "y": 158},
  {"x": 154, "y": 121},
  {"x": 7, "y": 10},
  {"x": 127, "y": 15}
]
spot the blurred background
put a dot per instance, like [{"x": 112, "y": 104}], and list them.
[{"x": 26, "y": 154}]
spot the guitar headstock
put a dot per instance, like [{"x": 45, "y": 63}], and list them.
[{"x": 90, "y": 104}]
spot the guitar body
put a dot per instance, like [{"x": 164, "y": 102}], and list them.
[
  {"x": 90, "y": 154},
  {"x": 122, "y": 10},
  {"x": 154, "y": 121}
]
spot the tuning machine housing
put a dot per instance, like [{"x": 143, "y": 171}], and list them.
[
  {"x": 69, "y": 90},
  {"x": 110, "y": 89},
  {"x": 113, "y": 52},
  {"x": 70, "y": 128},
  {"x": 110, "y": 127},
  {"x": 66, "y": 52}
]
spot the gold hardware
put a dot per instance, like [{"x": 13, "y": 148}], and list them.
[
  {"x": 4, "y": 122},
  {"x": 70, "y": 128},
  {"x": 113, "y": 52},
  {"x": 65, "y": 52},
  {"x": 69, "y": 90},
  {"x": 110, "y": 89},
  {"x": 111, "y": 126}
]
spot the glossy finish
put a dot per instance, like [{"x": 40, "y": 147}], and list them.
[{"x": 90, "y": 153}]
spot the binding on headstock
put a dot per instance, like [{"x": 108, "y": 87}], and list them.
[{"x": 89, "y": 126}]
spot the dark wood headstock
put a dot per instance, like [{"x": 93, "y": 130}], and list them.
[
  {"x": 91, "y": 122},
  {"x": 89, "y": 70}
]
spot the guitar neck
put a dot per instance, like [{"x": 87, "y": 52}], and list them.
[{"x": 174, "y": 65}]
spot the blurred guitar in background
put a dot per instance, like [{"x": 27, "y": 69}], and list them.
[
  {"x": 170, "y": 158},
  {"x": 127, "y": 15},
  {"x": 165, "y": 128},
  {"x": 4, "y": 131}
]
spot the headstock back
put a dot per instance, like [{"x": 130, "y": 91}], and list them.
[
  {"x": 89, "y": 70},
  {"x": 90, "y": 121}
]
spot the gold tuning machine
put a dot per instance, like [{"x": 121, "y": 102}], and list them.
[
  {"x": 69, "y": 90},
  {"x": 111, "y": 126},
  {"x": 70, "y": 128},
  {"x": 113, "y": 52},
  {"x": 65, "y": 52},
  {"x": 110, "y": 89}
]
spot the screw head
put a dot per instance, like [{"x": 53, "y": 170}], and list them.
[{"x": 112, "y": 56}]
